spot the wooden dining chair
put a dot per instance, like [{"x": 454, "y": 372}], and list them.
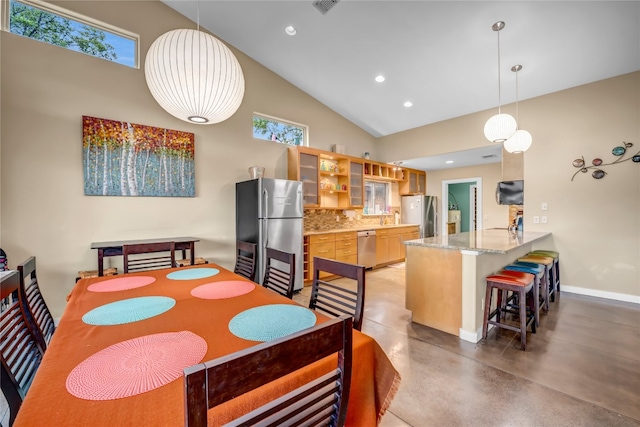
[
  {"x": 246, "y": 259},
  {"x": 157, "y": 256},
  {"x": 337, "y": 297},
  {"x": 280, "y": 272},
  {"x": 34, "y": 304},
  {"x": 19, "y": 349},
  {"x": 323, "y": 400}
]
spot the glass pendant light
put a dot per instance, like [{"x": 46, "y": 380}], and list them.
[{"x": 501, "y": 126}]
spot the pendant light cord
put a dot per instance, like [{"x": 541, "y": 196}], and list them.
[
  {"x": 499, "y": 91},
  {"x": 198, "y": 16}
]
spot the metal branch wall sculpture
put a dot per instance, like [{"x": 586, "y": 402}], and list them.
[{"x": 598, "y": 173}]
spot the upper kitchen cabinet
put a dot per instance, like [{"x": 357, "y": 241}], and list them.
[
  {"x": 304, "y": 166},
  {"x": 356, "y": 184},
  {"x": 416, "y": 182}
]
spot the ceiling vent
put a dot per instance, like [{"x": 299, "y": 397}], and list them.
[
  {"x": 488, "y": 156},
  {"x": 324, "y": 5}
]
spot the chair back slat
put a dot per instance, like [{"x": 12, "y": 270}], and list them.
[
  {"x": 246, "y": 259},
  {"x": 20, "y": 351},
  {"x": 323, "y": 400},
  {"x": 164, "y": 256},
  {"x": 280, "y": 272},
  {"x": 336, "y": 298},
  {"x": 33, "y": 303}
]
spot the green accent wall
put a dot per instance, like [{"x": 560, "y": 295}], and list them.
[{"x": 460, "y": 194}]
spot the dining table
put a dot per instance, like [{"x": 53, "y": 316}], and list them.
[{"x": 118, "y": 354}]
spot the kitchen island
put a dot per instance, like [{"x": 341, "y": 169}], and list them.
[{"x": 445, "y": 275}]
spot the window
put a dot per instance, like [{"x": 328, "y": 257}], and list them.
[
  {"x": 277, "y": 130},
  {"x": 376, "y": 198},
  {"x": 51, "y": 24}
]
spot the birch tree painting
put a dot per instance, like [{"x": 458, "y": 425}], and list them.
[{"x": 127, "y": 159}]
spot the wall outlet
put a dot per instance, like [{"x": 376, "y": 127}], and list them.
[
  {"x": 543, "y": 206},
  {"x": 536, "y": 219},
  {"x": 544, "y": 219},
  {"x": 337, "y": 218}
]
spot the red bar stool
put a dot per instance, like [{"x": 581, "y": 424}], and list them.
[
  {"x": 520, "y": 284},
  {"x": 538, "y": 273},
  {"x": 547, "y": 262},
  {"x": 556, "y": 269}
]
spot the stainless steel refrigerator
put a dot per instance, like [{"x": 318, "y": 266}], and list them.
[
  {"x": 421, "y": 210},
  {"x": 269, "y": 213}
]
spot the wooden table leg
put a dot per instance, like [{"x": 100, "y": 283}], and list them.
[
  {"x": 191, "y": 251},
  {"x": 100, "y": 262}
]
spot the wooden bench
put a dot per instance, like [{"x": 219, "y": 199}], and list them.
[
  {"x": 94, "y": 273},
  {"x": 186, "y": 262}
]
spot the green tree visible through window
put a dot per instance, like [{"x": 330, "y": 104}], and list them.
[
  {"x": 38, "y": 24},
  {"x": 272, "y": 130}
]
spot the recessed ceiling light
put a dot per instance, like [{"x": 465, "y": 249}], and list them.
[
  {"x": 380, "y": 78},
  {"x": 449, "y": 161},
  {"x": 408, "y": 104},
  {"x": 290, "y": 30}
]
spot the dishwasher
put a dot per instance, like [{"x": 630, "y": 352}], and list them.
[{"x": 367, "y": 248}]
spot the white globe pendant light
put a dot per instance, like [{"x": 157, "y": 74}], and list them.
[
  {"x": 194, "y": 76},
  {"x": 500, "y": 126},
  {"x": 521, "y": 140}
]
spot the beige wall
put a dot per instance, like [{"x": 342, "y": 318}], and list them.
[
  {"x": 595, "y": 223},
  {"x": 494, "y": 215},
  {"x": 45, "y": 92}
]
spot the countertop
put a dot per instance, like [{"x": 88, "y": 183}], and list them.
[
  {"x": 359, "y": 228},
  {"x": 496, "y": 241}
]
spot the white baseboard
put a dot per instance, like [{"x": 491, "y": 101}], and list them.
[
  {"x": 473, "y": 337},
  {"x": 600, "y": 294}
]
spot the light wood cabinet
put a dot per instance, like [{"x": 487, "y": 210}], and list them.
[
  {"x": 304, "y": 166},
  {"x": 382, "y": 247},
  {"x": 347, "y": 247},
  {"x": 383, "y": 171},
  {"x": 356, "y": 184},
  {"x": 416, "y": 183},
  {"x": 323, "y": 246}
]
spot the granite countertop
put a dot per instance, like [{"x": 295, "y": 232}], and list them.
[
  {"x": 496, "y": 241},
  {"x": 358, "y": 228}
]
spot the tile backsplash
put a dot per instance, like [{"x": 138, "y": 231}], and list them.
[{"x": 325, "y": 219}]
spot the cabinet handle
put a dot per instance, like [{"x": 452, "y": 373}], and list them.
[{"x": 322, "y": 252}]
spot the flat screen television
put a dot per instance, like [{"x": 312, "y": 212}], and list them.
[{"x": 510, "y": 193}]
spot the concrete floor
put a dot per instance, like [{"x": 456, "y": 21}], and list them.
[{"x": 582, "y": 368}]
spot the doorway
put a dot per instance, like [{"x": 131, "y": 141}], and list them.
[{"x": 471, "y": 213}]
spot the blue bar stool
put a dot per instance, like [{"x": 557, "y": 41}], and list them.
[{"x": 547, "y": 262}]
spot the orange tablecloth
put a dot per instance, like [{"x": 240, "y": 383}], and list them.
[{"x": 374, "y": 379}]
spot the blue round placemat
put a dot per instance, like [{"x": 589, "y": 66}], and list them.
[
  {"x": 193, "y": 273},
  {"x": 269, "y": 322},
  {"x": 128, "y": 311}
]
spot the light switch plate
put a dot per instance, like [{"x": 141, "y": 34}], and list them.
[
  {"x": 544, "y": 206},
  {"x": 536, "y": 219},
  {"x": 544, "y": 219}
]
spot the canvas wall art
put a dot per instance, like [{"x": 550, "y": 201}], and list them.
[{"x": 128, "y": 159}]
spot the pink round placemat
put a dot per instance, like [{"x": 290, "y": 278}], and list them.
[
  {"x": 136, "y": 366},
  {"x": 121, "y": 284},
  {"x": 223, "y": 289}
]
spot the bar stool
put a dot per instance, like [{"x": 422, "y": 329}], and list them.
[
  {"x": 538, "y": 273},
  {"x": 547, "y": 262},
  {"x": 556, "y": 267},
  {"x": 522, "y": 286}
]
